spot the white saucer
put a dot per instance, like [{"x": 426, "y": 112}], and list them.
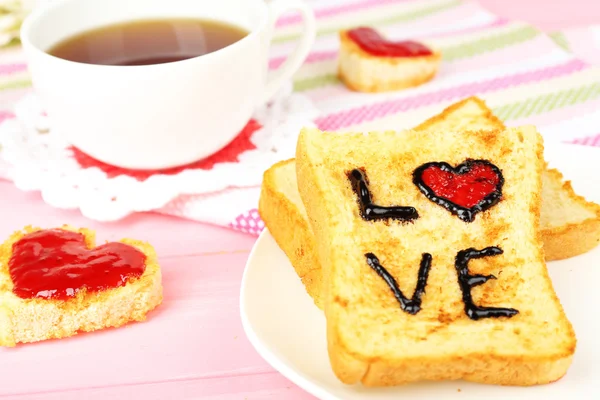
[{"x": 288, "y": 330}]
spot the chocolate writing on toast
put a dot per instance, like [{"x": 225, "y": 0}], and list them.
[{"x": 470, "y": 188}]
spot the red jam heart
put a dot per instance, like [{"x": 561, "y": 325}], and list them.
[
  {"x": 373, "y": 43},
  {"x": 471, "y": 187},
  {"x": 56, "y": 264}
]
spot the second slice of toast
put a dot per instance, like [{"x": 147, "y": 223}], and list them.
[{"x": 421, "y": 288}]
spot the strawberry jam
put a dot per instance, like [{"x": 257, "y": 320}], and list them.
[
  {"x": 56, "y": 264},
  {"x": 466, "y": 189},
  {"x": 471, "y": 187},
  {"x": 373, "y": 43}
]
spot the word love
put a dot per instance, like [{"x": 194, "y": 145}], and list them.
[
  {"x": 466, "y": 282},
  {"x": 465, "y": 190}
]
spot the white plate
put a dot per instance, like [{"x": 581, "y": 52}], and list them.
[{"x": 288, "y": 330}]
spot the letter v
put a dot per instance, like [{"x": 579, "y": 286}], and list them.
[{"x": 412, "y": 305}]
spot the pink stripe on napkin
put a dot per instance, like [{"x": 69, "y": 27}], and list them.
[
  {"x": 7, "y": 69},
  {"x": 328, "y": 55},
  {"x": 379, "y": 110},
  {"x": 529, "y": 50},
  {"x": 337, "y": 10},
  {"x": 588, "y": 141},
  {"x": 557, "y": 116},
  {"x": 4, "y": 115}
]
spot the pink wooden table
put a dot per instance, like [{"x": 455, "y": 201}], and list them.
[{"x": 209, "y": 262}]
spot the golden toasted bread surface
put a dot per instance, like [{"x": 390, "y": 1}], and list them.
[{"x": 371, "y": 339}]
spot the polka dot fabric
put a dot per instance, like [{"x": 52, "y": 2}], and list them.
[{"x": 248, "y": 222}]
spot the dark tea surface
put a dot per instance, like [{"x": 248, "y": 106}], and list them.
[{"x": 148, "y": 42}]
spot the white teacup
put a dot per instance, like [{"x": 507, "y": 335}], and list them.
[{"x": 163, "y": 115}]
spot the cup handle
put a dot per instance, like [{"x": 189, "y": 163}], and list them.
[{"x": 294, "y": 60}]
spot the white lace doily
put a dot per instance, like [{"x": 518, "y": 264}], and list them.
[{"x": 40, "y": 160}]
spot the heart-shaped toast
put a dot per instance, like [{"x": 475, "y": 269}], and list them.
[
  {"x": 373, "y": 43},
  {"x": 469, "y": 188},
  {"x": 57, "y": 264}
]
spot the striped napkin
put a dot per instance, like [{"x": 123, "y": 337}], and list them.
[{"x": 525, "y": 76}]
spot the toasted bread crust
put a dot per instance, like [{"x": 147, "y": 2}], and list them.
[
  {"x": 487, "y": 114},
  {"x": 352, "y": 366},
  {"x": 572, "y": 239},
  {"x": 32, "y": 320},
  {"x": 379, "y": 87},
  {"x": 363, "y": 72},
  {"x": 297, "y": 240}
]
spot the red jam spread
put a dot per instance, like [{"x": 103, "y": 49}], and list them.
[
  {"x": 470, "y": 188},
  {"x": 467, "y": 189},
  {"x": 373, "y": 43},
  {"x": 56, "y": 264}
]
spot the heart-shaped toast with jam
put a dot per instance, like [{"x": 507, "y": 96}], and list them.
[
  {"x": 55, "y": 283},
  {"x": 369, "y": 62}
]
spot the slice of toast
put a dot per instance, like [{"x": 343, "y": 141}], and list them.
[
  {"x": 392, "y": 219},
  {"x": 283, "y": 213},
  {"x": 570, "y": 225},
  {"x": 35, "y": 319},
  {"x": 364, "y": 72}
]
